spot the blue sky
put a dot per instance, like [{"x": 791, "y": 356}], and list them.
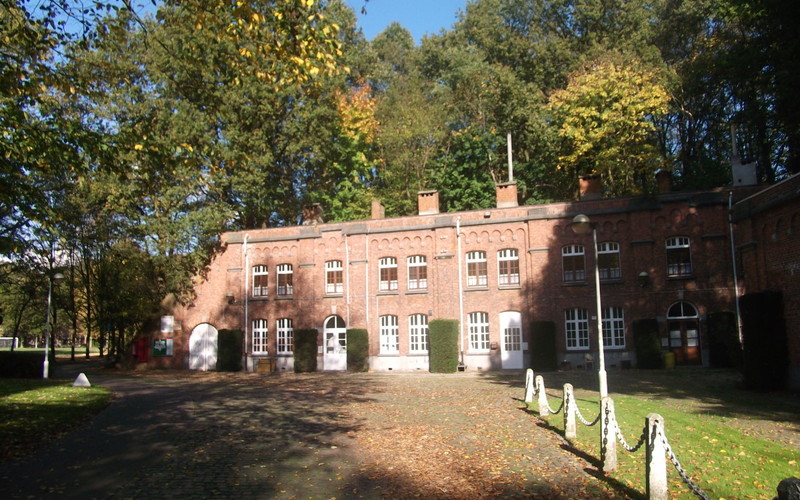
[{"x": 420, "y": 17}]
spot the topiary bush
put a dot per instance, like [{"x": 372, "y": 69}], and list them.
[
  {"x": 15, "y": 364},
  {"x": 765, "y": 344},
  {"x": 725, "y": 350},
  {"x": 229, "y": 351},
  {"x": 648, "y": 344},
  {"x": 305, "y": 350},
  {"x": 357, "y": 350},
  {"x": 443, "y": 345}
]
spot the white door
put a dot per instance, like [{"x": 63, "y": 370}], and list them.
[
  {"x": 334, "y": 336},
  {"x": 203, "y": 348},
  {"x": 511, "y": 341}
]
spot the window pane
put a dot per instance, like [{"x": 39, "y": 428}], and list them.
[
  {"x": 418, "y": 333},
  {"x": 478, "y": 324}
]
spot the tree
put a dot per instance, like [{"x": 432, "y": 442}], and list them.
[{"x": 605, "y": 118}]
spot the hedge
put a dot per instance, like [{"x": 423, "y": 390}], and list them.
[
  {"x": 443, "y": 345},
  {"x": 229, "y": 353},
  {"x": 357, "y": 350},
  {"x": 544, "y": 355},
  {"x": 765, "y": 344},
  {"x": 16, "y": 364},
  {"x": 648, "y": 344},
  {"x": 305, "y": 350}
]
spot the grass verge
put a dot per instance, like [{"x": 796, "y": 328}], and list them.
[
  {"x": 36, "y": 412},
  {"x": 733, "y": 444}
]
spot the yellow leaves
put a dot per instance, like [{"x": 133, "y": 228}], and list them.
[{"x": 138, "y": 147}]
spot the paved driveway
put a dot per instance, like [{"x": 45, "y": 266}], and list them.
[{"x": 318, "y": 436}]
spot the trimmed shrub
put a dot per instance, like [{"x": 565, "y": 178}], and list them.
[
  {"x": 357, "y": 350},
  {"x": 725, "y": 351},
  {"x": 648, "y": 344},
  {"x": 765, "y": 346},
  {"x": 229, "y": 351},
  {"x": 16, "y": 364},
  {"x": 305, "y": 350},
  {"x": 443, "y": 345},
  {"x": 544, "y": 356}
]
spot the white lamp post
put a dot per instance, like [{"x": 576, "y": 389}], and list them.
[
  {"x": 582, "y": 225},
  {"x": 46, "y": 364}
]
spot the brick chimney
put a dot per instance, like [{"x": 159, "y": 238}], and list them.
[
  {"x": 506, "y": 195},
  {"x": 378, "y": 211},
  {"x": 590, "y": 187},
  {"x": 428, "y": 202},
  {"x": 664, "y": 181}
]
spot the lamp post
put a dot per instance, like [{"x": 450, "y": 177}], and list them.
[
  {"x": 46, "y": 364},
  {"x": 582, "y": 225}
]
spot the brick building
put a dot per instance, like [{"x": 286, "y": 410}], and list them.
[
  {"x": 665, "y": 258},
  {"x": 768, "y": 248}
]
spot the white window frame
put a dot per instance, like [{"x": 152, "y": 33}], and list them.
[
  {"x": 333, "y": 268},
  {"x": 285, "y": 336},
  {"x": 260, "y": 281},
  {"x": 613, "y": 328},
  {"x": 609, "y": 248},
  {"x": 285, "y": 289},
  {"x": 477, "y": 269},
  {"x": 260, "y": 334},
  {"x": 510, "y": 278},
  {"x": 389, "y": 334},
  {"x": 679, "y": 245},
  {"x": 478, "y": 327},
  {"x": 387, "y": 265},
  {"x": 419, "y": 264},
  {"x": 418, "y": 334},
  {"x": 576, "y": 328},
  {"x": 572, "y": 252}
]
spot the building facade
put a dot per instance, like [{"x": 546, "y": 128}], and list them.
[{"x": 665, "y": 258}]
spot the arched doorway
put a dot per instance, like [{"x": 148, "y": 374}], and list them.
[
  {"x": 511, "y": 340},
  {"x": 203, "y": 348},
  {"x": 334, "y": 337},
  {"x": 683, "y": 333}
]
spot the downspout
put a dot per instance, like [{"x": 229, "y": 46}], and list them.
[
  {"x": 366, "y": 281},
  {"x": 347, "y": 278},
  {"x": 460, "y": 290},
  {"x": 733, "y": 265},
  {"x": 246, "y": 300}
]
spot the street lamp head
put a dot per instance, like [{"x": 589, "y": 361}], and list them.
[
  {"x": 581, "y": 224},
  {"x": 58, "y": 277}
]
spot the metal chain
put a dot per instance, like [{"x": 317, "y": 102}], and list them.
[
  {"x": 550, "y": 408},
  {"x": 583, "y": 419},
  {"x": 686, "y": 479},
  {"x": 632, "y": 449}
]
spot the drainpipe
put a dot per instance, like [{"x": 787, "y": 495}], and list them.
[
  {"x": 347, "y": 278},
  {"x": 460, "y": 290},
  {"x": 246, "y": 301},
  {"x": 733, "y": 265}
]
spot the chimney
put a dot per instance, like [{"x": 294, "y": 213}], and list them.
[
  {"x": 590, "y": 187},
  {"x": 378, "y": 211},
  {"x": 664, "y": 181},
  {"x": 506, "y": 195},
  {"x": 312, "y": 215},
  {"x": 428, "y": 202}
]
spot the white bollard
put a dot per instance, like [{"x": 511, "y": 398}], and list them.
[
  {"x": 81, "y": 381},
  {"x": 530, "y": 389},
  {"x": 570, "y": 428},
  {"x": 543, "y": 404},
  {"x": 608, "y": 434},
  {"x": 656, "y": 459}
]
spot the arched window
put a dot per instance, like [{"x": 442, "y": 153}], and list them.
[
  {"x": 418, "y": 333},
  {"x": 285, "y": 336},
  {"x": 478, "y": 325},
  {"x": 259, "y": 332},
  {"x": 260, "y": 275},
  {"x": 572, "y": 259},
  {"x": 389, "y": 334},
  {"x": 683, "y": 333},
  {"x": 387, "y": 270},
  {"x": 508, "y": 267}
]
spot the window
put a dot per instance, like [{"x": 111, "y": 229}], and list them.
[
  {"x": 260, "y": 331},
  {"x": 608, "y": 261},
  {"x": 417, "y": 272},
  {"x": 387, "y": 269},
  {"x": 613, "y": 327},
  {"x": 476, "y": 269},
  {"x": 576, "y": 323},
  {"x": 389, "y": 335},
  {"x": 572, "y": 257},
  {"x": 508, "y": 267},
  {"x": 285, "y": 336},
  {"x": 418, "y": 333},
  {"x": 679, "y": 256},
  {"x": 260, "y": 275},
  {"x": 478, "y": 325},
  {"x": 334, "y": 277},
  {"x": 285, "y": 281}
]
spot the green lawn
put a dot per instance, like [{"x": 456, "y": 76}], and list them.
[
  {"x": 734, "y": 444},
  {"x": 37, "y": 411}
]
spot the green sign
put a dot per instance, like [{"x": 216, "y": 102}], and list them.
[{"x": 162, "y": 347}]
